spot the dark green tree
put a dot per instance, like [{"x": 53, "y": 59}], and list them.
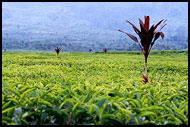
[{"x": 58, "y": 50}]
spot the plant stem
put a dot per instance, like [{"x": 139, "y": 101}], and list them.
[
  {"x": 146, "y": 72},
  {"x": 159, "y": 77}
]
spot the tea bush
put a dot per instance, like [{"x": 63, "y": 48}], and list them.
[{"x": 94, "y": 89}]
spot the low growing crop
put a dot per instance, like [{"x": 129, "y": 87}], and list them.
[{"x": 94, "y": 89}]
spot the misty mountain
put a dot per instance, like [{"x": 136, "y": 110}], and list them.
[{"x": 78, "y": 26}]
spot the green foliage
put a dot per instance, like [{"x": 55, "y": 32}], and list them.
[{"x": 94, "y": 89}]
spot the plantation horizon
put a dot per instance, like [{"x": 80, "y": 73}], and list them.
[{"x": 94, "y": 88}]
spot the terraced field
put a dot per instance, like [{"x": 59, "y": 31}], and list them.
[{"x": 94, "y": 88}]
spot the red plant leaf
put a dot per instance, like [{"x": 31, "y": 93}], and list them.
[
  {"x": 141, "y": 22},
  {"x": 146, "y": 23},
  {"x": 143, "y": 31},
  {"x": 162, "y": 35},
  {"x": 157, "y": 35},
  {"x": 151, "y": 34},
  {"x": 131, "y": 36},
  {"x": 162, "y": 26},
  {"x": 158, "y": 24},
  {"x": 134, "y": 27},
  {"x": 145, "y": 79},
  {"x": 144, "y": 38},
  {"x": 145, "y": 34},
  {"x": 144, "y": 19},
  {"x": 164, "y": 21}
]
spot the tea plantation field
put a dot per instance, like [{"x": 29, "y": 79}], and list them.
[{"x": 94, "y": 88}]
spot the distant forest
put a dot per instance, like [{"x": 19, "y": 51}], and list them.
[{"x": 119, "y": 45}]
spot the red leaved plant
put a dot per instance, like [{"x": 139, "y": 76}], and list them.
[{"x": 147, "y": 37}]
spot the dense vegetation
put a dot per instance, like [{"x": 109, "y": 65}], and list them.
[{"x": 94, "y": 88}]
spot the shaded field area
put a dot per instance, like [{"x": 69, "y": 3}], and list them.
[{"x": 94, "y": 88}]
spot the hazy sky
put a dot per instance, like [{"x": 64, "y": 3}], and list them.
[{"x": 90, "y": 20}]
